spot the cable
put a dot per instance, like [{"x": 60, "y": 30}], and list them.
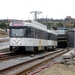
[
  {"x": 58, "y": 8},
  {"x": 43, "y": 68}
]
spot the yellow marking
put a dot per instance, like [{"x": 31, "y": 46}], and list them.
[{"x": 40, "y": 45}]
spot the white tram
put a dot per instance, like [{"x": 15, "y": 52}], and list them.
[
  {"x": 52, "y": 39},
  {"x": 30, "y": 36}
]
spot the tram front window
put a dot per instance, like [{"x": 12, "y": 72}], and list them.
[{"x": 17, "y": 32}]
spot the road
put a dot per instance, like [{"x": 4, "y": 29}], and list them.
[{"x": 4, "y": 46}]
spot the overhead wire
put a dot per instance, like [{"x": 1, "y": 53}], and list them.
[{"x": 58, "y": 8}]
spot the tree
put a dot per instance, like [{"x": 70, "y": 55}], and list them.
[
  {"x": 48, "y": 25},
  {"x": 3, "y": 25},
  {"x": 59, "y": 24}
]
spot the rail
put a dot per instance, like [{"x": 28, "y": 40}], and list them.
[{"x": 26, "y": 66}]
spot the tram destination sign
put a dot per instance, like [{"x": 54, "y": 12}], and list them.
[{"x": 17, "y": 24}]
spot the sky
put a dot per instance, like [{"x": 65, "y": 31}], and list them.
[{"x": 21, "y": 9}]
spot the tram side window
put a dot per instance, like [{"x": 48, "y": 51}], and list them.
[
  {"x": 30, "y": 32},
  {"x": 54, "y": 37},
  {"x": 36, "y": 33},
  {"x": 25, "y": 32},
  {"x": 49, "y": 36},
  {"x": 41, "y": 34},
  {"x": 45, "y": 35}
]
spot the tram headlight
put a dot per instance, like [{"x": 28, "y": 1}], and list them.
[{"x": 16, "y": 41}]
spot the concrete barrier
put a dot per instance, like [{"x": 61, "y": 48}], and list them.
[
  {"x": 4, "y": 49},
  {"x": 4, "y": 39},
  {"x": 68, "y": 54}
]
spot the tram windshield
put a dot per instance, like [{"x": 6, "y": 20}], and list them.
[{"x": 18, "y": 32}]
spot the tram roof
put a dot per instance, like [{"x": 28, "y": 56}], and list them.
[
  {"x": 31, "y": 23},
  {"x": 52, "y": 31},
  {"x": 35, "y": 26}
]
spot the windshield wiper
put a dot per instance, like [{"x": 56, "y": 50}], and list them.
[{"x": 15, "y": 34}]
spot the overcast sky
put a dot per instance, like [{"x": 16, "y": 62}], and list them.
[{"x": 20, "y": 9}]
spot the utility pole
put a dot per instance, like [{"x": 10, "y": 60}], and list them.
[
  {"x": 46, "y": 21},
  {"x": 35, "y": 14},
  {"x": 7, "y": 24}
]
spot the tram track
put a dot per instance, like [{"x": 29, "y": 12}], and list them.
[
  {"x": 23, "y": 67},
  {"x": 4, "y": 55},
  {"x": 31, "y": 70},
  {"x": 9, "y": 56}
]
